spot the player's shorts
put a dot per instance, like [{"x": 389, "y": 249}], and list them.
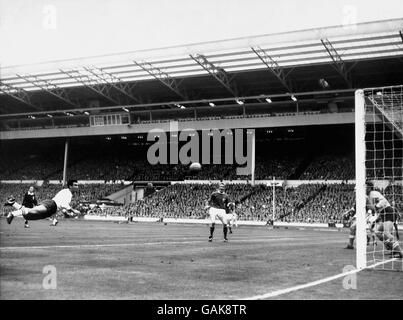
[
  {"x": 353, "y": 224},
  {"x": 385, "y": 227},
  {"x": 217, "y": 213},
  {"x": 51, "y": 207},
  {"x": 388, "y": 214},
  {"x": 231, "y": 219}
]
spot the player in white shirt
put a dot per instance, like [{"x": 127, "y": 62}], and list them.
[
  {"x": 371, "y": 218},
  {"x": 371, "y": 222},
  {"x": 231, "y": 218},
  {"x": 385, "y": 223},
  {"x": 48, "y": 208},
  {"x": 349, "y": 215}
]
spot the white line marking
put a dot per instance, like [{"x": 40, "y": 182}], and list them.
[
  {"x": 90, "y": 246},
  {"x": 314, "y": 283}
]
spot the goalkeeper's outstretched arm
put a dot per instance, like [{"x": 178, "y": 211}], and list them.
[
  {"x": 70, "y": 212},
  {"x": 349, "y": 213}
]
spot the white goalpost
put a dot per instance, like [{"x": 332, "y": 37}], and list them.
[{"x": 379, "y": 159}]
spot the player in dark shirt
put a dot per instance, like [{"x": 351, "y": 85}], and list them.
[
  {"x": 217, "y": 205},
  {"x": 29, "y": 201}
]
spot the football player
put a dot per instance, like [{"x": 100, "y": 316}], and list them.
[
  {"x": 350, "y": 215},
  {"x": 386, "y": 220},
  {"x": 48, "y": 208},
  {"x": 231, "y": 217},
  {"x": 371, "y": 221},
  {"x": 217, "y": 205}
]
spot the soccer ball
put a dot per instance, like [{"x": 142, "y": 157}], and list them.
[{"x": 195, "y": 166}]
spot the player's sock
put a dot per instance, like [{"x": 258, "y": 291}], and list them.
[
  {"x": 211, "y": 231},
  {"x": 225, "y": 230},
  {"x": 396, "y": 247},
  {"x": 388, "y": 244},
  {"x": 17, "y": 206},
  {"x": 351, "y": 240}
]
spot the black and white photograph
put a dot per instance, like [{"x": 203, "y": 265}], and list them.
[{"x": 203, "y": 157}]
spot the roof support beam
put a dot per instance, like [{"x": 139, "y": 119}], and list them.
[
  {"x": 50, "y": 88},
  {"x": 93, "y": 84},
  {"x": 163, "y": 77},
  {"x": 338, "y": 62},
  {"x": 217, "y": 72},
  {"x": 17, "y": 93},
  {"x": 115, "y": 82},
  {"x": 273, "y": 66}
]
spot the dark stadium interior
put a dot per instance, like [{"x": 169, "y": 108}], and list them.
[{"x": 305, "y": 143}]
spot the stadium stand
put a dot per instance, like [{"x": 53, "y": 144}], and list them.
[{"x": 310, "y": 203}]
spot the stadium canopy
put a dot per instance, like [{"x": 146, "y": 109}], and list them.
[{"x": 310, "y": 62}]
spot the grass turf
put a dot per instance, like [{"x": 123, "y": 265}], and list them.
[{"x": 102, "y": 260}]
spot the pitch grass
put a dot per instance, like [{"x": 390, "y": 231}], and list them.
[{"x": 102, "y": 260}]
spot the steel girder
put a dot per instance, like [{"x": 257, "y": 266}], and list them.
[
  {"x": 273, "y": 66},
  {"x": 94, "y": 84},
  {"x": 217, "y": 72},
  {"x": 18, "y": 94},
  {"x": 163, "y": 77},
  {"x": 338, "y": 62},
  {"x": 50, "y": 88},
  {"x": 115, "y": 82}
]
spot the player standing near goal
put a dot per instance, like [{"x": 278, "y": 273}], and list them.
[
  {"x": 385, "y": 223},
  {"x": 370, "y": 218},
  {"x": 217, "y": 205},
  {"x": 61, "y": 201},
  {"x": 350, "y": 215}
]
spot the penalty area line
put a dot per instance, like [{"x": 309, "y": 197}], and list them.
[
  {"x": 314, "y": 283},
  {"x": 137, "y": 244}
]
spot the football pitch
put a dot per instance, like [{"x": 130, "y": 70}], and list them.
[{"x": 143, "y": 261}]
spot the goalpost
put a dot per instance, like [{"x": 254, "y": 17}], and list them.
[{"x": 379, "y": 159}]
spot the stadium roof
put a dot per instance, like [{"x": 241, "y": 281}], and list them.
[{"x": 283, "y": 64}]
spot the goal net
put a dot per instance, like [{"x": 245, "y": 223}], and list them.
[{"x": 379, "y": 161}]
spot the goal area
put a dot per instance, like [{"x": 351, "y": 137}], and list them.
[{"x": 379, "y": 161}]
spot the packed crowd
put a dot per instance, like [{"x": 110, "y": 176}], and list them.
[
  {"x": 310, "y": 203},
  {"x": 329, "y": 167},
  {"x": 278, "y": 168},
  {"x": 30, "y": 167},
  {"x": 328, "y": 205},
  {"x": 116, "y": 168}
]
